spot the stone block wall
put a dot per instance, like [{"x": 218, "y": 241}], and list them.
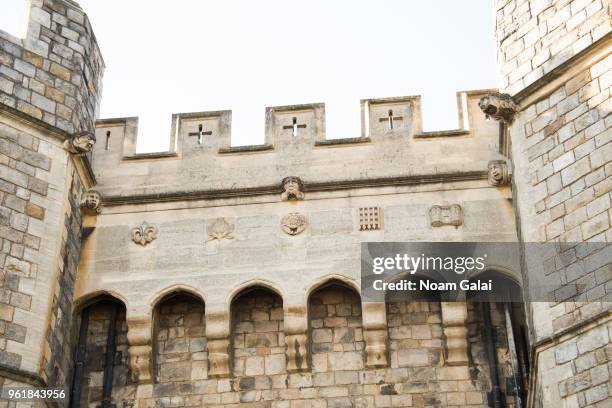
[
  {"x": 554, "y": 59},
  {"x": 336, "y": 374},
  {"x": 54, "y": 74},
  {"x": 258, "y": 338},
  {"x": 536, "y": 36},
  {"x": 32, "y": 177},
  {"x": 180, "y": 353}
]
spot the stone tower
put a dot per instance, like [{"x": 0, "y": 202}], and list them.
[
  {"x": 50, "y": 85},
  {"x": 554, "y": 59}
]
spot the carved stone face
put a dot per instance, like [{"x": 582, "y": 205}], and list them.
[
  {"x": 498, "y": 173},
  {"x": 83, "y": 142},
  {"x": 292, "y": 189},
  {"x": 91, "y": 202}
]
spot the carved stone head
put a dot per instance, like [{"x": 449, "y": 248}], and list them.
[
  {"x": 91, "y": 202},
  {"x": 292, "y": 189},
  {"x": 498, "y": 106},
  {"x": 80, "y": 143},
  {"x": 498, "y": 173}
]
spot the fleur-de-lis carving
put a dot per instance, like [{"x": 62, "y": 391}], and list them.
[{"x": 144, "y": 234}]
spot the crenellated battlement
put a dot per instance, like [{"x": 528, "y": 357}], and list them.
[
  {"x": 200, "y": 156},
  {"x": 196, "y": 133}
]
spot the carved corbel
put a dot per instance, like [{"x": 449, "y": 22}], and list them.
[
  {"x": 454, "y": 316},
  {"x": 217, "y": 334},
  {"x": 91, "y": 202},
  {"x": 499, "y": 174},
  {"x": 499, "y": 106},
  {"x": 139, "y": 350},
  {"x": 80, "y": 143},
  {"x": 296, "y": 338},
  {"x": 375, "y": 334},
  {"x": 293, "y": 189}
]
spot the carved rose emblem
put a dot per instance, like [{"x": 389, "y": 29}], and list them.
[
  {"x": 294, "y": 223},
  {"x": 220, "y": 229},
  {"x": 144, "y": 234}
]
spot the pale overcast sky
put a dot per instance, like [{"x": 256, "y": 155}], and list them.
[{"x": 164, "y": 57}]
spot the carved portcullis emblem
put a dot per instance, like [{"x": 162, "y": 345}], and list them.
[
  {"x": 91, "y": 202},
  {"x": 370, "y": 218},
  {"x": 446, "y": 215},
  {"x": 144, "y": 234},
  {"x": 220, "y": 229},
  {"x": 498, "y": 173},
  {"x": 294, "y": 223},
  {"x": 80, "y": 143},
  {"x": 293, "y": 189}
]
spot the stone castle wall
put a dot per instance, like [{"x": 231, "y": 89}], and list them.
[
  {"x": 54, "y": 74},
  {"x": 554, "y": 59},
  {"x": 50, "y": 84}
]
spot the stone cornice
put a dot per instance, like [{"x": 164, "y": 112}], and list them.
[
  {"x": 21, "y": 376},
  {"x": 82, "y": 162},
  {"x": 173, "y": 196}
]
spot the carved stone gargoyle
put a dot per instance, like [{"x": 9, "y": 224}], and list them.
[
  {"x": 91, "y": 202},
  {"x": 293, "y": 189},
  {"x": 499, "y": 106},
  {"x": 80, "y": 143},
  {"x": 499, "y": 174}
]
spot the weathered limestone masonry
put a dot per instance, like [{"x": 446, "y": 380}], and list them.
[
  {"x": 239, "y": 266},
  {"x": 554, "y": 59},
  {"x": 49, "y": 94}
]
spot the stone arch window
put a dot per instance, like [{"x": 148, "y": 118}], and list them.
[
  {"x": 258, "y": 338},
  {"x": 335, "y": 331},
  {"x": 414, "y": 322},
  {"x": 498, "y": 342},
  {"x": 101, "y": 373},
  {"x": 179, "y": 341}
]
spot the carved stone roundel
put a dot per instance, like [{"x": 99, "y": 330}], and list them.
[{"x": 294, "y": 223}]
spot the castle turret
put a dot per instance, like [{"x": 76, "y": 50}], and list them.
[{"x": 50, "y": 86}]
